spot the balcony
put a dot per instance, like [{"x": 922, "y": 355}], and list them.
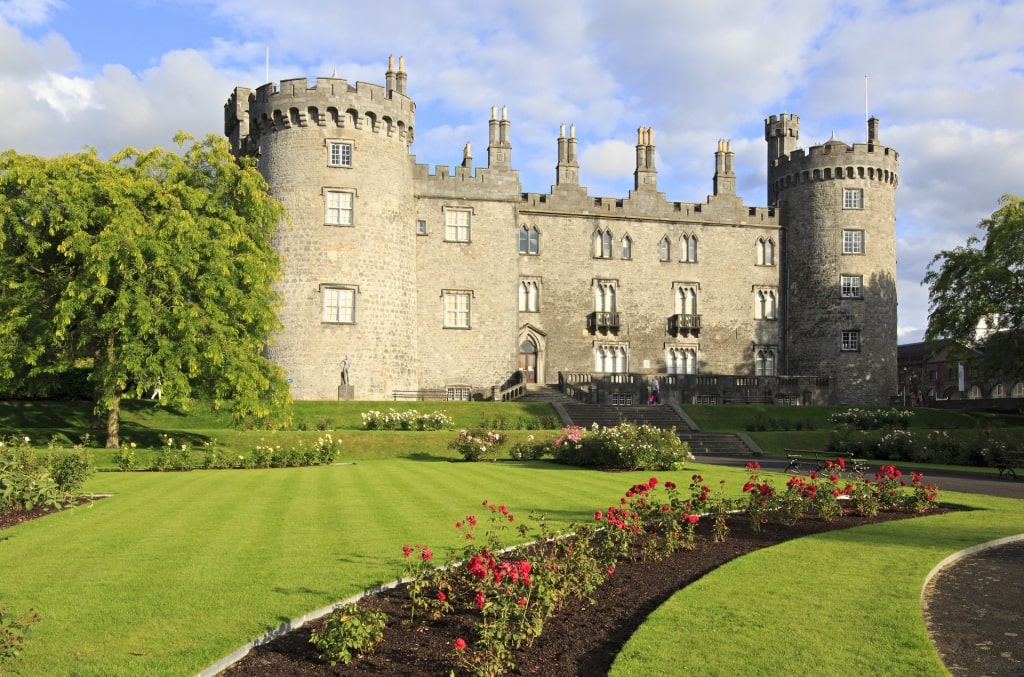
[
  {"x": 603, "y": 321},
  {"x": 687, "y": 325}
]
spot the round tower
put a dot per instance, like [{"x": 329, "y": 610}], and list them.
[
  {"x": 837, "y": 207},
  {"x": 337, "y": 157}
]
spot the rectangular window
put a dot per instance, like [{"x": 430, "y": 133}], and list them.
[
  {"x": 853, "y": 198},
  {"x": 340, "y": 154},
  {"x": 853, "y": 241},
  {"x": 458, "y": 393},
  {"x": 339, "y": 305},
  {"x": 338, "y": 207},
  {"x": 456, "y": 309},
  {"x": 421, "y": 227},
  {"x": 456, "y": 225},
  {"x": 851, "y": 286},
  {"x": 851, "y": 340}
]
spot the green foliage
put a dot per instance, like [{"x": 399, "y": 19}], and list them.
[
  {"x": 14, "y": 630},
  {"x": 349, "y": 632},
  {"x": 406, "y": 420},
  {"x": 531, "y": 449},
  {"x": 979, "y": 284},
  {"x": 628, "y": 446},
  {"x": 70, "y": 469},
  {"x": 159, "y": 270},
  {"x": 473, "y": 445},
  {"x": 872, "y": 419}
]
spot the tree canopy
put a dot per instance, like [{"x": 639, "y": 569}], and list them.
[
  {"x": 981, "y": 284},
  {"x": 151, "y": 268}
]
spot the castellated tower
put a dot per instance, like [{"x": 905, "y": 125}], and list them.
[
  {"x": 337, "y": 157},
  {"x": 837, "y": 209}
]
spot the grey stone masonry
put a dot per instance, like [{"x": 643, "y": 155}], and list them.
[{"x": 453, "y": 279}]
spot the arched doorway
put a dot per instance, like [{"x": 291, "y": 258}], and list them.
[{"x": 528, "y": 359}]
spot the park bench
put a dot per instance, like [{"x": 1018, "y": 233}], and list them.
[
  {"x": 819, "y": 461},
  {"x": 1009, "y": 461},
  {"x": 425, "y": 394}
]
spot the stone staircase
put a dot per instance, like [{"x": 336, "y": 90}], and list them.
[{"x": 663, "y": 416}]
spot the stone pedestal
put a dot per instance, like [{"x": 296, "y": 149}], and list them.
[{"x": 346, "y": 392}]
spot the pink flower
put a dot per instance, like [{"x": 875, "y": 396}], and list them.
[
  {"x": 611, "y": 570},
  {"x": 598, "y": 515},
  {"x": 479, "y": 600},
  {"x": 406, "y": 550},
  {"x": 427, "y": 555},
  {"x": 471, "y": 519},
  {"x": 521, "y": 601}
]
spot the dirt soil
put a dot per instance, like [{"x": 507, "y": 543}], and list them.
[{"x": 580, "y": 640}]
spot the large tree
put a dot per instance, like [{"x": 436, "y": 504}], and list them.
[
  {"x": 981, "y": 284},
  {"x": 151, "y": 268}
]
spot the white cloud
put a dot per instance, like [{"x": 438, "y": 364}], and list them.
[
  {"x": 28, "y": 11},
  {"x": 65, "y": 95}
]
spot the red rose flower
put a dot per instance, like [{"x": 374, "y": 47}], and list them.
[{"x": 460, "y": 644}]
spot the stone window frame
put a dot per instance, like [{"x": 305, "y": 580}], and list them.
[
  {"x": 601, "y": 243},
  {"x": 685, "y": 298},
  {"x": 766, "y": 303},
  {"x": 615, "y": 355},
  {"x": 529, "y": 240},
  {"x": 455, "y": 231},
  {"x": 850, "y": 341},
  {"x": 665, "y": 249},
  {"x": 766, "y": 360},
  {"x": 688, "y": 248},
  {"x": 339, "y": 153},
  {"x": 421, "y": 227},
  {"x": 332, "y": 309},
  {"x": 457, "y": 308},
  {"x": 853, "y": 241},
  {"x": 765, "y": 251},
  {"x": 627, "y": 247},
  {"x": 851, "y": 286},
  {"x": 529, "y": 303},
  {"x": 336, "y": 214},
  {"x": 689, "y": 362},
  {"x": 853, "y": 198},
  {"x": 606, "y": 295}
]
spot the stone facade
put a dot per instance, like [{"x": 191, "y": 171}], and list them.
[{"x": 453, "y": 279}]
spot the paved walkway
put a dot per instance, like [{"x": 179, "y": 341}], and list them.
[{"x": 974, "y": 606}]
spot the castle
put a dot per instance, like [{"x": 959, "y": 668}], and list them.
[{"x": 452, "y": 281}]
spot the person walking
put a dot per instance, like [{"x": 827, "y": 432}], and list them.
[{"x": 655, "y": 391}]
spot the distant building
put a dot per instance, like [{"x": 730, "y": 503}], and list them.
[
  {"x": 931, "y": 373},
  {"x": 453, "y": 280}
]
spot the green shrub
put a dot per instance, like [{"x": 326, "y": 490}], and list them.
[
  {"x": 70, "y": 469},
  {"x": 348, "y": 633},
  {"x": 627, "y": 446},
  {"x": 474, "y": 445}
]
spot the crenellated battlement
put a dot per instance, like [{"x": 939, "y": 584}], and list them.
[
  {"x": 836, "y": 160},
  {"x": 729, "y": 209},
  {"x": 330, "y": 102}
]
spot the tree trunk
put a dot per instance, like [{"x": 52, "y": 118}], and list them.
[{"x": 114, "y": 422}]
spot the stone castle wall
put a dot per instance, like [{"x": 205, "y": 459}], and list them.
[{"x": 397, "y": 258}]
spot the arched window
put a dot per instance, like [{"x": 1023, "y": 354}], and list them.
[
  {"x": 606, "y": 245},
  {"x": 610, "y": 359},
  {"x": 529, "y": 296},
  {"x": 604, "y": 297},
  {"x": 665, "y": 249},
  {"x": 529, "y": 241},
  {"x": 688, "y": 247},
  {"x": 765, "y": 305},
  {"x": 998, "y": 391},
  {"x": 681, "y": 360},
  {"x": 765, "y": 252},
  {"x": 627, "y": 247},
  {"x": 974, "y": 393},
  {"x": 1018, "y": 390},
  {"x": 686, "y": 301},
  {"x": 764, "y": 362}
]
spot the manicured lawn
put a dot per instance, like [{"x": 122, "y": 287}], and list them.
[
  {"x": 839, "y": 603},
  {"x": 176, "y": 570}
]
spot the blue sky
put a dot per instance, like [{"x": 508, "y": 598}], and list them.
[{"x": 944, "y": 77}]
